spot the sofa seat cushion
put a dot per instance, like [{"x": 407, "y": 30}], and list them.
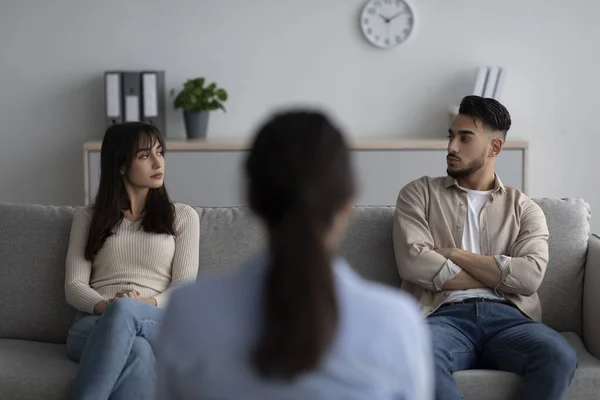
[
  {"x": 34, "y": 370},
  {"x": 499, "y": 385}
]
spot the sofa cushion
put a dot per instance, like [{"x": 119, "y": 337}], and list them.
[
  {"x": 498, "y": 385},
  {"x": 368, "y": 247},
  {"x": 33, "y": 370},
  {"x": 561, "y": 292},
  {"x": 228, "y": 237},
  {"x": 33, "y": 246}
]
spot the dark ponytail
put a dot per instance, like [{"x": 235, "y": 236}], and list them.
[{"x": 299, "y": 177}]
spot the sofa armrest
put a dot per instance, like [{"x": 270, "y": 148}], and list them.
[{"x": 591, "y": 297}]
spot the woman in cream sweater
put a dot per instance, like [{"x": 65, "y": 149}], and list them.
[{"x": 127, "y": 252}]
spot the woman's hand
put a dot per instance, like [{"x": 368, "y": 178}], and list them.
[
  {"x": 101, "y": 306},
  {"x": 134, "y": 294},
  {"x": 129, "y": 293},
  {"x": 149, "y": 300}
]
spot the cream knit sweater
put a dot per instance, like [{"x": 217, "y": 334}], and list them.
[{"x": 153, "y": 264}]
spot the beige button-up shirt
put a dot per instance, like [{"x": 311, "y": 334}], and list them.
[{"x": 431, "y": 213}]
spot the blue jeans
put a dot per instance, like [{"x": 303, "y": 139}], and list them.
[
  {"x": 499, "y": 336},
  {"x": 115, "y": 351}
]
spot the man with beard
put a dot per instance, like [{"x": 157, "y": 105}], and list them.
[{"x": 474, "y": 253}]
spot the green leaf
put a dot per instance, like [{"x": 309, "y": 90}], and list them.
[
  {"x": 195, "y": 97},
  {"x": 221, "y": 94}
]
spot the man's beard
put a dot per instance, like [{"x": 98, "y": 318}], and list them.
[{"x": 470, "y": 169}]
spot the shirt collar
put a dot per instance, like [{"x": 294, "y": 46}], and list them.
[{"x": 498, "y": 185}]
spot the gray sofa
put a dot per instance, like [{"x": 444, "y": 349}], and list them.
[{"x": 34, "y": 317}]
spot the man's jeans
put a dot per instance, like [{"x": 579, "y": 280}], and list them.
[
  {"x": 488, "y": 335},
  {"x": 115, "y": 351}
]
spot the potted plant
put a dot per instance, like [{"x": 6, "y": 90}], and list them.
[{"x": 197, "y": 101}]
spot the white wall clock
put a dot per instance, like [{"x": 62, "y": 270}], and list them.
[{"x": 387, "y": 23}]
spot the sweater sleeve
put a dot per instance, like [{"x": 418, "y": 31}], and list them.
[
  {"x": 78, "y": 292},
  {"x": 185, "y": 260}
]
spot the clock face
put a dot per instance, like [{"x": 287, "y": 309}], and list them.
[{"x": 387, "y": 23}]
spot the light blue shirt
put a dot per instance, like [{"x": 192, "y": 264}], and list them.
[{"x": 382, "y": 349}]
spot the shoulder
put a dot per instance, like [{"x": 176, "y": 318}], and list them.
[
  {"x": 523, "y": 204},
  {"x": 407, "y": 326},
  {"x": 419, "y": 190},
  {"x": 184, "y": 211},
  {"x": 210, "y": 294},
  {"x": 423, "y": 183},
  {"x": 244, "y": 276},
  {"x": 185, "y": 216},
  {"x": 384, "y": 298},
  {"x": 87, "y": 210},
  {"x": 377, "y": 301},
  {"x": 83, "y": 215},
  {"x": 181, "y": 299},
  {"x": 393, "y": 320},
  {"x": 532, "y": 214},
  {"x": 528, "y": 214},
  {"x": 192, "y": 312},
  {"x": 185, "y": 307},
  {"x": 179, "y": 312}
]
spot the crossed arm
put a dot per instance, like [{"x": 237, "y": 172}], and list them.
[
  {"x": 420, "y": 262},
  {"x": 477, "y": 271}
]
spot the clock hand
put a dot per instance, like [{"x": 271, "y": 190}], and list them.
[
  {"x": 387, "y": 20},
  {"x": 396, "y": 15},
  {"x": 388, "y": 31}
]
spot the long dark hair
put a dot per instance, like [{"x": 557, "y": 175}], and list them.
[
  {"x": 299, "y": 176},
  {"x": 119, "y": 148}
]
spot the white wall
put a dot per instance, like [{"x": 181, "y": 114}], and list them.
[{"x": 273, "y": 52}]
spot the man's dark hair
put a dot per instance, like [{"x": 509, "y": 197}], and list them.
[{"x": 489, "y": 112}]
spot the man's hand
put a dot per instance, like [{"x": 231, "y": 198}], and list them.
[
  {"x": 446, "y": 252},
  {"x": 483, "y": 268},
  {"x": 463, "y": 281}
]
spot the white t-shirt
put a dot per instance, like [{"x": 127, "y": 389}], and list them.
[{"x": 471, "y": 241}]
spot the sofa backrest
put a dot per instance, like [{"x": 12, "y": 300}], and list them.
[
  {"x": 34, "y": 241},
  {"x": 368, "y": 248},
  {"x": 561, "y": 292},
  {"x": 33, "y": 246},
  {"x": 228, "y": 236}
]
